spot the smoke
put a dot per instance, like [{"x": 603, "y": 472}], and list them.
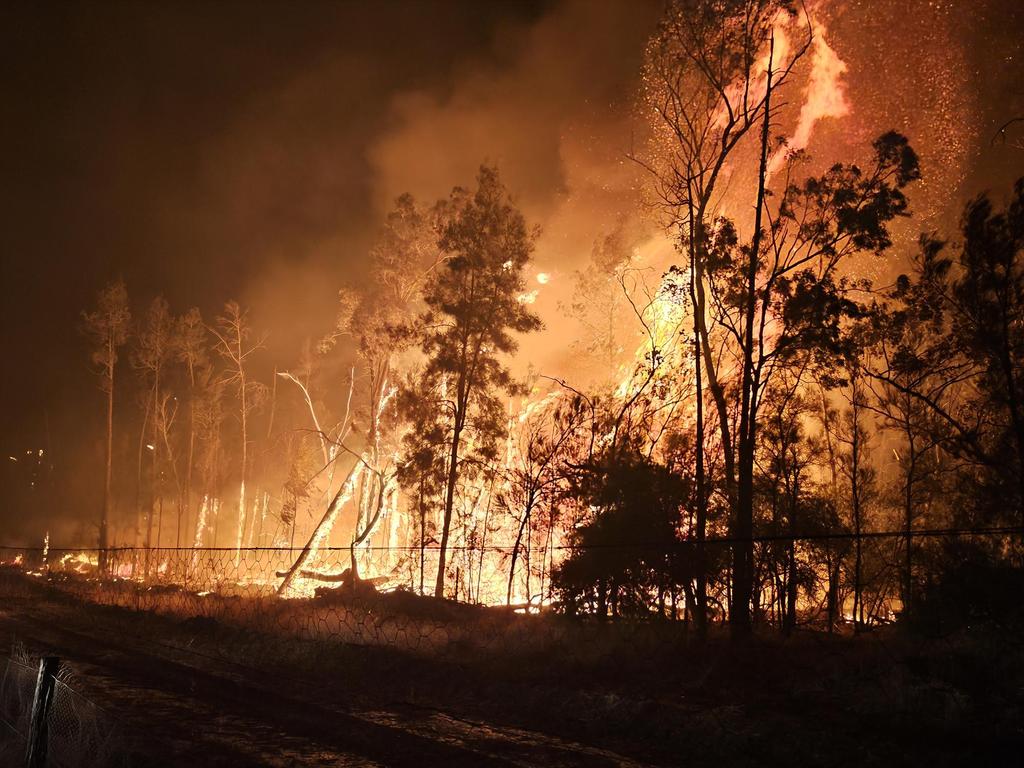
[
  {"x": 556, "y": 115},
  {"x": 256, "y": 164},
  {"x": 551, "y": 101}
]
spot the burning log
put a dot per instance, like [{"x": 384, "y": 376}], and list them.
[
  {"x": 349, "y": 583},
  {"x": 345, "y": 577},
  {"x": 323, "y": 528}
]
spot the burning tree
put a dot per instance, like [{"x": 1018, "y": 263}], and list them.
[
  {"x": 598, "y": 303},
  {"x": 192, "y": 351},
  {"x": 233, "y": 333},
  {"x": 151, "y": 355},
  {"x": 107, "y": 327},
  {"x": 379, "y": 319},
  {"x": 709, "y": 77}
]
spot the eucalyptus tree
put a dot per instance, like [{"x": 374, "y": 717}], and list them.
[
  {"x": 709, "y": 75},
  {"x": 151, "y": 355},
  {"x": 107, "y": 327},
  {"x": 237, "y": 347},
  {"x": 473, "y": 311},
  {"x": 192, "y": 351}
]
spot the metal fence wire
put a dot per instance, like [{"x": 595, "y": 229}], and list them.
[
  {"x": 16, "y": 691},
  {"x": 79, "y": 733},
  {"x": 240, "y": 588}
]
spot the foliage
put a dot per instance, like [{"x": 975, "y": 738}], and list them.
[{"x": 628, "y": 553}]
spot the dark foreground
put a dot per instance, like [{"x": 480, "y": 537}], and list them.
[{"x": 195, "y": 693}]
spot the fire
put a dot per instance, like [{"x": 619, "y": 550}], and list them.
[
  {"x": 80, "y": 562},
  {"x": 824, "y": 96}
]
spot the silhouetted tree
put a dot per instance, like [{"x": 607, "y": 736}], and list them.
[
  {"x": 629, "y": 549},
  {"x": 152, "y": 352},
  {"x": 535, "y": 471},
  {"x": 707, "y": 86},
  {"x": 473, "y": 310},
  {"x": 421, "y": 471},
  {"x": 968, "y": 371}
]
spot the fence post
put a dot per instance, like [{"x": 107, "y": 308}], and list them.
[{"x": 38, "y": 741}]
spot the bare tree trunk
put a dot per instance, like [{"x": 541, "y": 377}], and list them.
[
  {"x": 239, "y": 356},
  {"x": 323, "y": 528},
  {"x": 449, "y": 504},
  {"x": 855, "y": 499},
  {"x": 908, "y": 511},
  {"x": 423, "y": 534},
  {"x": 789, "y": 618},
  {"x": 105, "y": 520},
  {"x": 743, "y": 548},
  {"x": 483, "y": 540},
  {"x": 700, "y": 597}
]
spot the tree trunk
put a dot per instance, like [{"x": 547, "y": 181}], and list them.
[
  {"x": 789, "y": 620},
  {"x": 423, "y": 535},
  {"x": 743, "y": 547},
  {"x": 515, "y": 551},
  {"x": 323, "y": 527},
  {"x": 449, "y": 503},
  {"x": 908, "y": 514},
  {"x": 191, "y": 443},
  {"x": 700, "y": 597},
  {"x": 243, "y": 414},
  {"x": 855, "y": 447},
  {"x": 105, "y": 519}
]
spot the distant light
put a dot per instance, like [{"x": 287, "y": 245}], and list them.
[
  {"x": 150, "y": 447},
  {"x": 40, "y": 451},
  {"x": 543, "y": 278},
  {"x": 12, "y": 458}
]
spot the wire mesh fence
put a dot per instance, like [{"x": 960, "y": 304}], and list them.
[
  {"x": 16, "y": 691},
  {"x": 225, "y": 603},
  {"x": 827, "y": 581},
  {"x": 78, "y": 732}
]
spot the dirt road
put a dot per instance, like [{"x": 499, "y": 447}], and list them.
[{"x": 176, "y": 707}]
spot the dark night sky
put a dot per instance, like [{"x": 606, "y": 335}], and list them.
[
  {"x": 177, "y": 145},
  {"x": 210, "y": 150}
]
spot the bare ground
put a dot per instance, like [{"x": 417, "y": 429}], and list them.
[
  {"x": 175, "y": 707},
  {"x": 194, "y": 692}
]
